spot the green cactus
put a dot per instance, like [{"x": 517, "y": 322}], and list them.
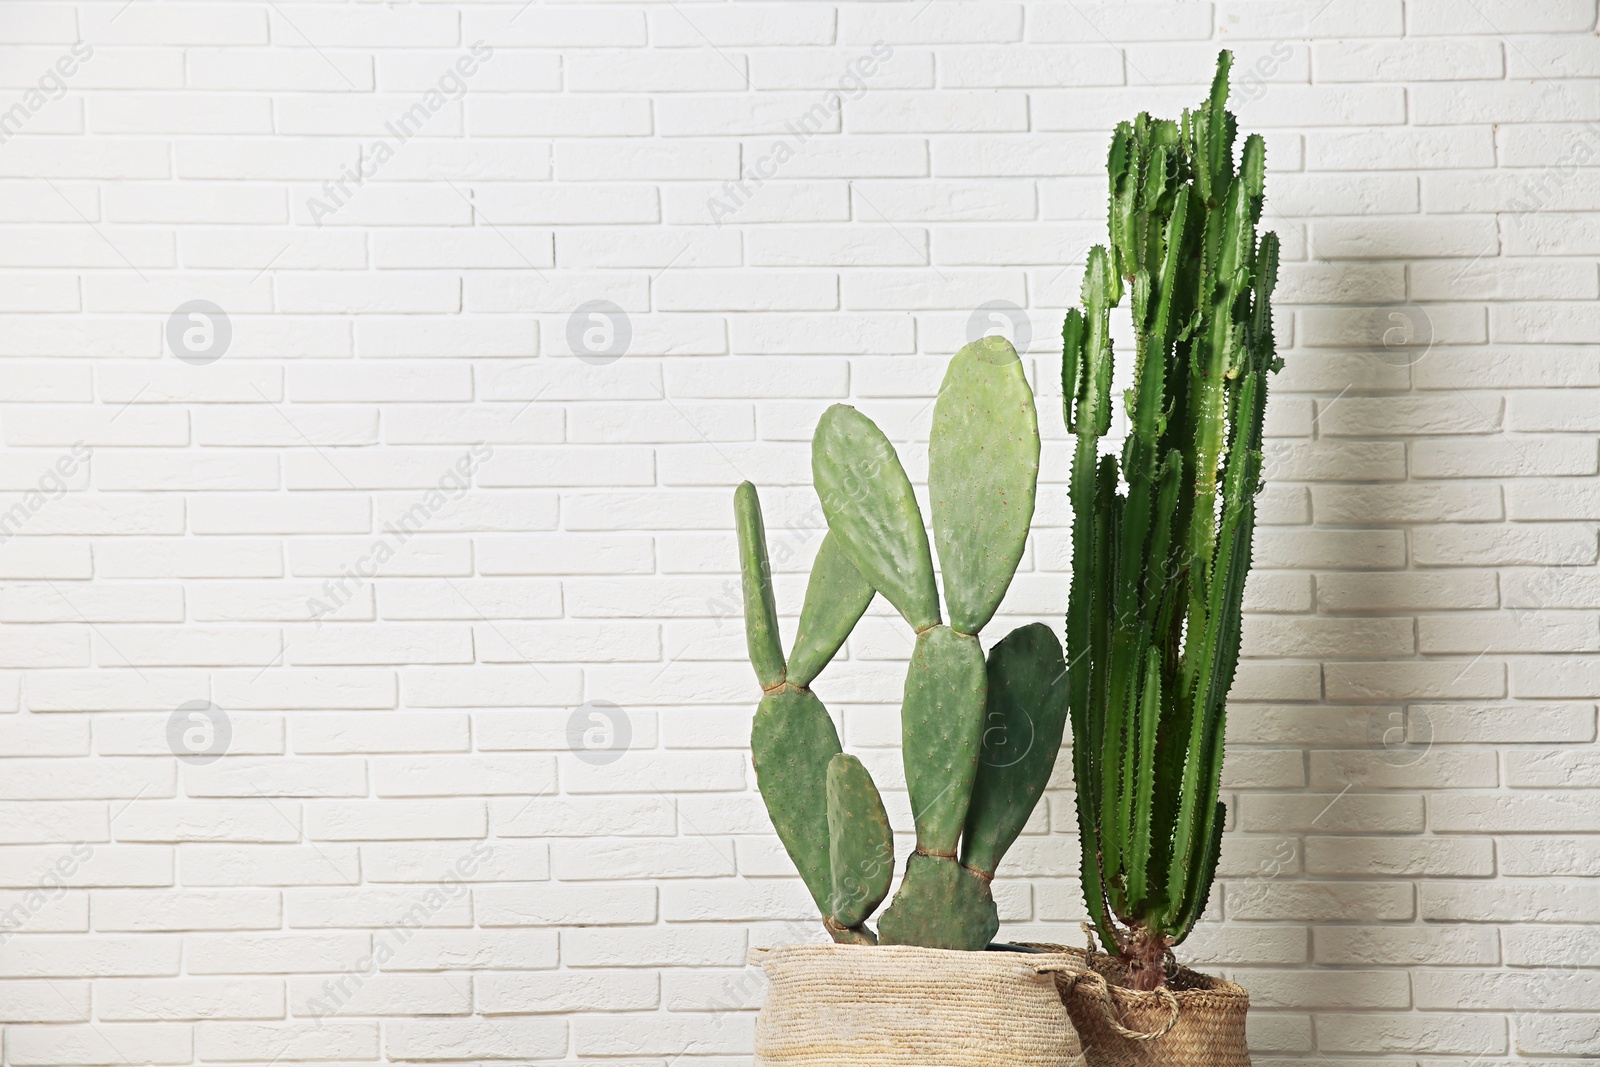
[
  {"x": 1158, "y": 570},
  {"x": 873, "y": 513},
  {"x": 983, "y": 470},
  {"x": 836, "y": 598},
  {"x": 861, "y": 845},
  {"x": 792, "y": 741},
  {"x": 941, "y": 717},
  {"x": 760, "y": 611},
  {"x": 1022, "y": 727},
  {"x": 983, "y": 463},
  {"x": 940, "y": 904}
]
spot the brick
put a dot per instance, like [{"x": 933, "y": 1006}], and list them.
[
  {"x": 358, "y": 821},
  {"x": 223, "y": 820},
  {"x": 1412, "y": 502},
  {"x": 1318, "y": 901},
  {"x": 490, "y": 1039},
  {"x": 164, "y": 910},
  {"x": 1500, "y": 458},
  {"x": 226, "y": 1040},
  {"x": 653, "y": 948},
  {"x": 1527, "y": 631},
  {"x": 1560, "y": 1035},
  {"x": 101, "y": 1045},
  {"x": 1506, "y": 723},
  {"x": 1551, "y": 768},
  {"x": 1514, "y": 812},
  {"x": 1332, "y": 812},
  {"x": 1410, "y": 591},
  {"x": 1438, "y": 17},
  {"x": 1427, "y": 946},
  {"x": 1310, "y": 989},
  {"x": 1542, "y": 901},
  {"x": 718, "y": 1032},
  {"x": 1549, "y": 857},
  {"x": 1549, "y": 545},
  {"x": 1414, "y": 1032},
  {"x": 560, "y": 905},
  {"x": 1403, "y": 680},
  {"x": 477, "y": 950},
  {"x": 1399, "y": 857},
  {"x": 1379, "y": 60},
  {"x": 38, "y": 956},
  {"x": 415, "y": 906},
  {"x": 1549, "y": 676},
  {"x": 1548, "y": 946},
  {"x": 1288, "y": 635},
  {"x": 270, "y": 865},
  {"x": 130, "y": 999}
]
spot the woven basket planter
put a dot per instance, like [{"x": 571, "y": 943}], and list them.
[
  {"x": 1197, "y": 1021},
  {"x": 904, "y": 1006}
]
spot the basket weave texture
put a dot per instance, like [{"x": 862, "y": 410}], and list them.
[
  {"x": 905, "y": 1006},
  {"x": 1198, "y": 1021}
]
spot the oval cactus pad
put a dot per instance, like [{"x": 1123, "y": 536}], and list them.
[{"x": 983, "y": 467}]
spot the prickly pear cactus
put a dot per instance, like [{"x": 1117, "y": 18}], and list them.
[
  {"x": 969, "y": 798},
  {"x": 1158, "y": 569}
]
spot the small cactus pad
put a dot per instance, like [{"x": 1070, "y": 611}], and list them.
[
  {"x": 941, "y": 721},
  {"x": 791, "y": 743},
  {"x": 836, "y": 598},
  {"x": 983, "y": 466},
  {"x": 1026, "y": 716},
  {"x": 872, "y": 510},
  {"x": 861, "y": 846},
  {"x": 760, "y": 611},
  {"x": 940, "y": 904}
]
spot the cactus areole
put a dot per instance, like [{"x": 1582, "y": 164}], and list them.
[
  {"x": 1161, "y": 534},
  {"x": 979, "y": 733}
]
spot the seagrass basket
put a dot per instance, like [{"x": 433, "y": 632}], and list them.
[
  {"x": 905, "y": 1006},
  {"x": 1197, "y": 1021}
]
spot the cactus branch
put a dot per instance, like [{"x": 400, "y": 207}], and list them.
[{"x": 1162, "y": 532}]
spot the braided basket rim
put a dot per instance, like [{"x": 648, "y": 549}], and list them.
[{"x": 1188, "y": 986}]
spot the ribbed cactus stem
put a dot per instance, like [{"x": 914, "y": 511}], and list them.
[{"x": 1161, "y": 535}]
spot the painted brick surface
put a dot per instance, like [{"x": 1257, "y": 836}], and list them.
[{"x": 375, "y": 377}]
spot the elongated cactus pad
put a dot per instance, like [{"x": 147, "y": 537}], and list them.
[
  {"x": 1022, "y": 727},
  {"x": 791, "y": 743},
  {"x": 861, "y": 847},
  {"x": 760, "y": 611},
  {"x": 940, "y": 904},
  {"x": 941, "y": 729},
  {"x": 983, "y": 463},
  {"x": 836, "y": 598},
  {"x": 873, "y": 512}
]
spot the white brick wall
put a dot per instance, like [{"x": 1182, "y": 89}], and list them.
[{"x": 465, "y": 604}]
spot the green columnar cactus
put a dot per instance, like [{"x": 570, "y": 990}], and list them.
[
  {"x": 979, "y": 736},
  {"x": 1158, "y": 570}
]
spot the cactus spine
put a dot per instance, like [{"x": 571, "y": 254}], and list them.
[
  {"x": 979, "y": 736},
  {"x": 1158, "y": 570}
]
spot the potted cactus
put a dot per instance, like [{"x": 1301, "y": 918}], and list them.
[
  {"x": 919, "y": 985},
  {"x": 1160, "y": 550}
]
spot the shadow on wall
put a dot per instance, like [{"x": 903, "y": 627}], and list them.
[{"x": 1331, "y": 725}]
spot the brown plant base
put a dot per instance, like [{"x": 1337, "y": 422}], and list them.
[
  {"x": 1146, "y": 955},
  {"x": 1205, "y": 1030}
]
